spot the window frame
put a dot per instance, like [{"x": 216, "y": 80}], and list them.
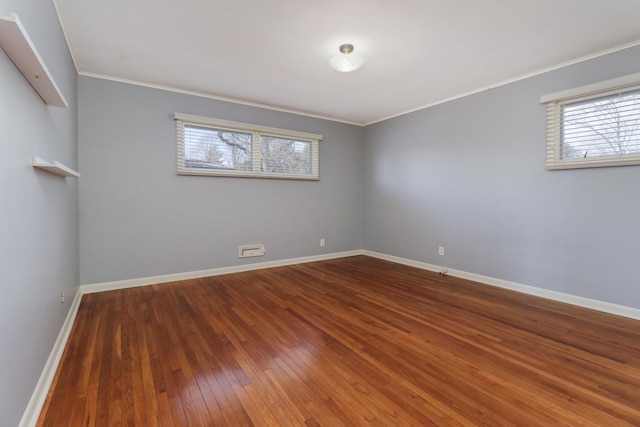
[
  {"x": 555, "y": 103},
  {"x": 257, "y": 131}
]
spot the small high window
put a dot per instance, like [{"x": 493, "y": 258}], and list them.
[
  {"x": 595, "y": 125},
  {"x": 223, "y": 148}
]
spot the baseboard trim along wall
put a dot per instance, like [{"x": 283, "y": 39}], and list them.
[
  {"x": 36, "y": 403},
  {"x": 31, "y": 414},
  {"x": 618, "y": 310},
  {"x": 132, "y": 283},
  {"x": 34, "y": 407}
]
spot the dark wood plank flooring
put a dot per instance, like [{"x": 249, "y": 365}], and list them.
[{"x": 352, "y": 341}]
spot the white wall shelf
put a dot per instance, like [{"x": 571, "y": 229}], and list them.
[
  {"x": 20, "y": 49},
  {"x": 55, "y": 167}
]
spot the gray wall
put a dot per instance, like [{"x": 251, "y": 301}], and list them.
[
  {"x": 138, "y": 218},
  {"x": 39, "y": 213},
  {"x": 470, "y": 175}
]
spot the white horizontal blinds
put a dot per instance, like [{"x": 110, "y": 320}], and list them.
[
  {"x": 285, "y": 156},
  {"x": 596, "y": 128},
  {"x": 215, "y": 147},
  {"x": 180, "y": 140},
  {"x": 256, "y": 151},
  {"x": 603, "y": 127},
  {"x": 554, "y": 128}
]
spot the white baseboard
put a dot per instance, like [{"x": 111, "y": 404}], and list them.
[
  {"x": 31, "y": 414},
  {"x": 39, "y": 396},
  {"x": 606, "y": 307},
  {"x": 132, "y": 283},
  {"x": 34, "y": 407}
]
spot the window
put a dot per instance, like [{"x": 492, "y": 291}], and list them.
[
  {"x": 595, "y": 125},
  {"x": 223, "y": 148}
]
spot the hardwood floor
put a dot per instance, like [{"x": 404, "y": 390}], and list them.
[{"x": 352, "y": 341}]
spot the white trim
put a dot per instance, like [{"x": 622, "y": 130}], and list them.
[
  {"x": 594, "y": 88},
  {"x": 405, "y": 261},
  {"x": 246, "y": 127},
  {"x": 32, "y": 412},
  {"x": 596, "y": 163},
  {"x": 217, "y": 98},
  {"x": 143, "y": 281},
  {"x": 240, "y": 174},
  {"x": 39, "y": 396},
  {"x": 606, "y": 307},
  {"x": 513, "y": 80},
  {"x": 618, "y": 310},
  {"x": 65, "y": 34},
  {"x": 362, "y": 124}
]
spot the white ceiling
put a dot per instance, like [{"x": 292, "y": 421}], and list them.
[{"x": 275, "y": 53}]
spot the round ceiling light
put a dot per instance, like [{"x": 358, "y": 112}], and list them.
[{"x": 346, "y": 61}]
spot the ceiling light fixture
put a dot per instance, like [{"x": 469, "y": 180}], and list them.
[{"x": 346, "y": 61}]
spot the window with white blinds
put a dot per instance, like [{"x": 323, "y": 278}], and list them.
[
  {"x": 596, "y": 125},
  {"x": 209, "y": 146}
]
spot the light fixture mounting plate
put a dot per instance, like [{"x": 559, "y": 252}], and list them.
[{"x": 346, "y": 48}]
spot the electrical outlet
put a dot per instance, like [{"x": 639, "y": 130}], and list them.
[
  {"x": 441, "y": 250},
  {"x": 321, "y": 242},
  {"x": 61, "y": 297}
]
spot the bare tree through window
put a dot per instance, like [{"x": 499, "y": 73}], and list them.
[
  {"x": 286, "y": 156},
  {"x": 604, "y": 127},
  {"x": 206, "y": 149},
  {"x": 217, "y": 149}
]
